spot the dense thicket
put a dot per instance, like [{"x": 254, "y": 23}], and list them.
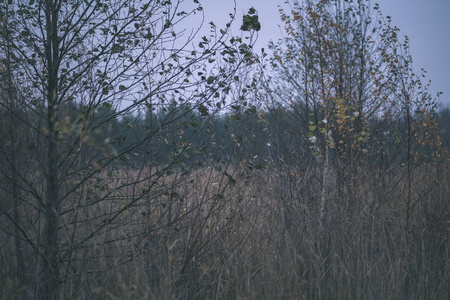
[{"x": 141, "y": 160}]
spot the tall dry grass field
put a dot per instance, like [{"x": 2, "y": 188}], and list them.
[{"x": 232, "y": 232}]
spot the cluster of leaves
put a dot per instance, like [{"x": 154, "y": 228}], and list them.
[{"x": 251, "y": 21}]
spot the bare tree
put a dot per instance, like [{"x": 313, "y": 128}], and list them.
[{"x": 74, "y": 69}]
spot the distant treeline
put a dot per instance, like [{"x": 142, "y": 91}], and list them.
[{"x": 261, "y": 137}]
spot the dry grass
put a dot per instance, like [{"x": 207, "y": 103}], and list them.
[{"x": 206, "y": 236}]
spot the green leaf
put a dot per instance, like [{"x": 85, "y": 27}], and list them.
[
  {"x": 211, "y": 79},
  {"x": 116, "y": 48},
  {"x": 203, "y": 110},
  {"x": 122, "y": 87}
]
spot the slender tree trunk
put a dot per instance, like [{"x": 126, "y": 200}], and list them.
[
  {"x": 327, "y": 162},
  {"x": 14, "y": 130},
  {"x": 49, "y": 289}
]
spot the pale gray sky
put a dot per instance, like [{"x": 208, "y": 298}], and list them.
[{"x": 425, "y": 22}]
